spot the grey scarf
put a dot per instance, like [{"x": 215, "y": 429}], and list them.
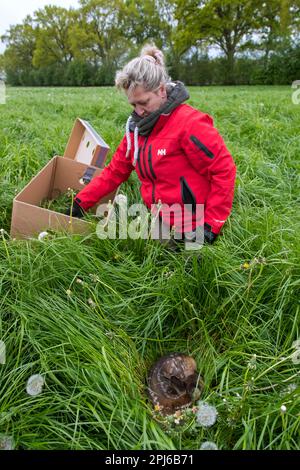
[{"x": 176, "y": 94}]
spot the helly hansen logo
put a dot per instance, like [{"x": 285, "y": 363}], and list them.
[{"x": 162, "y": 152}]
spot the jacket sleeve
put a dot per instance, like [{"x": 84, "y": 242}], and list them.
[
  {"x": 112, "y": 176},
  {"x": 208, "y": 154}
]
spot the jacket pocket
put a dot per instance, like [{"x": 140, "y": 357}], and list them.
[
  {"x": 187, "y": 194},
  {"x": 201, "y": 146}
]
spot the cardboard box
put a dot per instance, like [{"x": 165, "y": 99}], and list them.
[{"x": 83, "y": 159}]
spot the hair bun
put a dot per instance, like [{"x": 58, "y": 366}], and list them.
[{"x": 152, "y": 51}]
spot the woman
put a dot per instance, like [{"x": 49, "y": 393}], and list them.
[{"x": 179, "y": 157}]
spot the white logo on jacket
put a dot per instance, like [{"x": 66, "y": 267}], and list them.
[{"x": 162, "y": 152}]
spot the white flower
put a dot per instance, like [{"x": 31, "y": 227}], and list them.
[
  {"x": 35, "y": 385},
  {"x": 208, "y": 445},
  {"x": 283, "y": 408},
  {"x": 7, "y": 443},
  {"x": 42, "y": 235},
  {"x": 79, "y": 281},
  {"x": 168, "y": 274},
  {"x": 91, "y": 303},
  {"x": 69, "y": 292},
  {"x": 206, "y": 414}
]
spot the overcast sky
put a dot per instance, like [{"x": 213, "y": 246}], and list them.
[{"x": 14, "y": 11}]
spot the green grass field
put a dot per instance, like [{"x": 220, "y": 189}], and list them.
[{"x": 234, "y": 306}]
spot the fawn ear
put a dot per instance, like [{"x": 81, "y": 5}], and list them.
[
  {"x": 177, "y": 383},
  {"x": 191, "y": 383}
]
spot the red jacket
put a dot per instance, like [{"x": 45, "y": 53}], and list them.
[{"x": 183, "y": 160}]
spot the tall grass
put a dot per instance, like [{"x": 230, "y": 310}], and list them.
[{"x": 233, "y": 306}]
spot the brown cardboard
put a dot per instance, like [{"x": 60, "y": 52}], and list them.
[
  {"x": 85, "y": 145},
  {"x": 59, "y": 174}
]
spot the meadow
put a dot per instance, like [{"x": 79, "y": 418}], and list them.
[{"x": 91, "y": 316}]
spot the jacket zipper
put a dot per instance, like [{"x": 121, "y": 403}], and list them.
[
  {"x": 151, "y": 176},
  {"x": 152, "y": 172},
  {"x": 187, "y": 194},
  {"x": 143, "y": 157},
  {"x": 139, "y": 163}
]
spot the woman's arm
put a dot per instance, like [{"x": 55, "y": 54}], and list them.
[{"x": 112, "y": 176}]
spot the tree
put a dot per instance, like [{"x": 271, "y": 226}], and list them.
[
  {"x": 147, "y": 21},
  {"x": 224, "y": 23},
  {"x": 52, "y": 33},
  {"x": 20, "y": 41},
  {"x": 96, "y": 35},
  {"x": 2, "y": 67},
  {"x": 274, "y": 27}
]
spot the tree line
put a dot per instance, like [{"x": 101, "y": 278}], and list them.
[{"x": 205, "y": 42}]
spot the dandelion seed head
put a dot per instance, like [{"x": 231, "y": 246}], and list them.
[
  {"x": 206, "y": 414},
  {"x": 42, "y": 235},
  {"x": 7, "y": 443},
  {"x": 252, "y": 363},
  {"x": 208, "y": 445},
  {"x": 296, "y": 344},
  {"x": 290, "y": 388},
  {"x": 296, "y": 357},
  {"x": 283, "y": 408},
  {"x": 94, "y": 278},
  {"x": 35, "y": 385}
]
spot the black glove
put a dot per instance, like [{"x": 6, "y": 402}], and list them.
[
  {"x": 77, "y": 210},
  {"x": 209, "y": 236}
]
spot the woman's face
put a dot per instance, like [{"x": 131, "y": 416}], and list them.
[{"x": 145, "y": 102}]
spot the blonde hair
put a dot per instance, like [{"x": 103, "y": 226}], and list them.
[{"x": 147, "y": 70}]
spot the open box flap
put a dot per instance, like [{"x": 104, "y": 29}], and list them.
[{"x": 85, "y": 145}]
